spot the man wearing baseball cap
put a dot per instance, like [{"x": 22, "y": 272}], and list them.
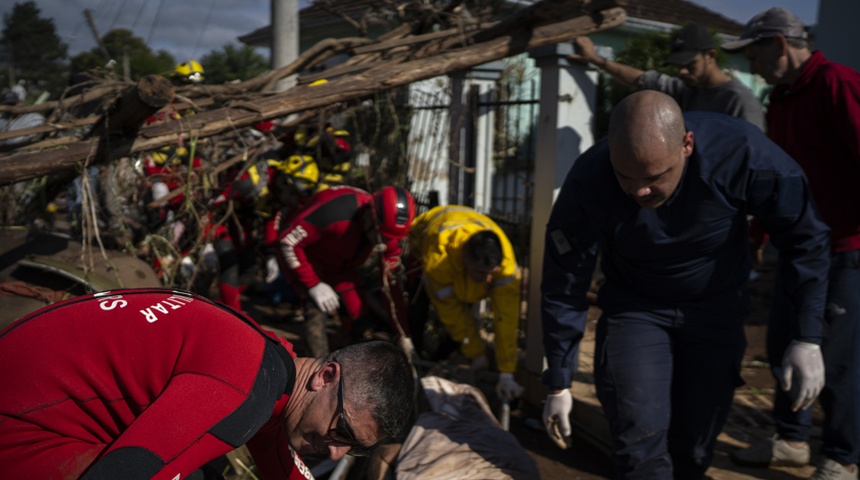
[
  {"x": 700, "y": 85},
  {"x": 769, "y": 24},
  {"x": 814, "y": 115}
]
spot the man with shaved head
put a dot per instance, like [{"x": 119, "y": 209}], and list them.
[
  {"x": 665, "y": 201},
  {"x": 648, "y": 147}
]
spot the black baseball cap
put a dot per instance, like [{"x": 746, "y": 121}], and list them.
[
  {"x": 769, "y": 23},
  {"x": 10, "y": 98},
  {"x": 687, "y": 42}
]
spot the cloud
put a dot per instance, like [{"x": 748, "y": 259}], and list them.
[{"x": 186, "y": 29}]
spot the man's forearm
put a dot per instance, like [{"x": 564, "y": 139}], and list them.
[{"x": 625, "y": 74}]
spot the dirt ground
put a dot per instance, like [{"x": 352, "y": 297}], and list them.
[{"x": 749, "y": 420}]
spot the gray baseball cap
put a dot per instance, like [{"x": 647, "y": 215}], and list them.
[{"x": 769, "y": 23}]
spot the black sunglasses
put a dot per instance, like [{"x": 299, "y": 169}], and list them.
[{"x": 343, "y": 431}]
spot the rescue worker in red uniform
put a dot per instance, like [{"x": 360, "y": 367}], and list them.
[
  {"x": 257, "y": 193},
  {"x": 154, "y": 383},
  {"x": 330, "y": 146},
  {"x": 166, "y": 170},
  {"x": 322, "y": 246}
]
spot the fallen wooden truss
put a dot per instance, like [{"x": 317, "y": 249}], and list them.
[{"x": 394, "y": 60}]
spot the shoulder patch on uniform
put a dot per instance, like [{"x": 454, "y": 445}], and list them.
[{"x": 560, "y": 241}]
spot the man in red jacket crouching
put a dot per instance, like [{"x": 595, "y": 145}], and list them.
[{"x": 154, "y": 383}]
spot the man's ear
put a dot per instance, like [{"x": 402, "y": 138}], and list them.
[
  {"x": 689, "y": 142},
  {"x": 711, "y": 58},
  {"x": 781, "y": 44},
  {"x": 327, "y": 374}
]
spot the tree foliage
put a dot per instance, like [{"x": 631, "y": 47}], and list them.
[
  {"x": 120, "y": 43},
  {"x": 34, "y": 51},
  {"x": 645, "y": 52},
  {"x": 233, "y": 63}
]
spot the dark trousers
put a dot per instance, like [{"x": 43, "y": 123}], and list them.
[
  {"x": 840, "y": 398},
  {"x": 666, "y": 378}
]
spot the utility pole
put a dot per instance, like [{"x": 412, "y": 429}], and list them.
[
  {"x": 89, "y": 16},
  {"x": 285, "y": 37}
]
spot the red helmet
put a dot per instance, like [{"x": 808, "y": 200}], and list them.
[{"x": 395, "y": 210}]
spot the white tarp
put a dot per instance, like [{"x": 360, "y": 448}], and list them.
[{"x": 460, "y": 439}]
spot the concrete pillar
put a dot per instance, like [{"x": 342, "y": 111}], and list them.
[
  {"x": 564, "y": 131},
  {"x": 285, "y": 37}
]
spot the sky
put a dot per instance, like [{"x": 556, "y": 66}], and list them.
[{"x": 189, "y": 29}]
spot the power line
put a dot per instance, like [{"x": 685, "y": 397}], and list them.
[
  {"x": 77, "y": 27},
  {"x": 106, "y": 14},
  {"x": 118, "y": 13},
  {"x": 99, "y": 8},
  {"x": 137, "y": 17},
  {"x": 82, "y": 22},
  {"x": 154, "y": 21},
  {"x": 203, "y": 30}
]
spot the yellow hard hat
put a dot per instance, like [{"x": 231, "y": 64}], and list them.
[
  {"x": 302, "y": 170},
  {"x": 170, "y": 154},
  {"x": 190, "y": 71}
]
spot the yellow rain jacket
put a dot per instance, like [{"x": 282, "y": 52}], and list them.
[{"x": 437, "y": 238}]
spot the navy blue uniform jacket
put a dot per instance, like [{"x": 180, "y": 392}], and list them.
[{"x": 691, "y": 250}]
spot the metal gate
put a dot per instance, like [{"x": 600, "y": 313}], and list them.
[
  {"x": 516, "y": 115},
  {"x": 513, "y": 103}
]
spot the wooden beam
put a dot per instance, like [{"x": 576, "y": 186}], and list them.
[{"x": 518, "y": 38}]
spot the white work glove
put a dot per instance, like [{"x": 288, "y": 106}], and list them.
[
  {"x": 802, "y": 362},
  {"x": 272, "y": 269},
  {"x": 407, "y": 347},
  {"x": 325, "y": 297},
  {"x": 507, "y": 388},
  {"x": 556, "y": 417}
]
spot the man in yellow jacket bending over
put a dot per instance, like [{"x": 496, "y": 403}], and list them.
[{"x": 466, "y": 258}]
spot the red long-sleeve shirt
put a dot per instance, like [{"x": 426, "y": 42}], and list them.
[{"x": 816, "y": 120}]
